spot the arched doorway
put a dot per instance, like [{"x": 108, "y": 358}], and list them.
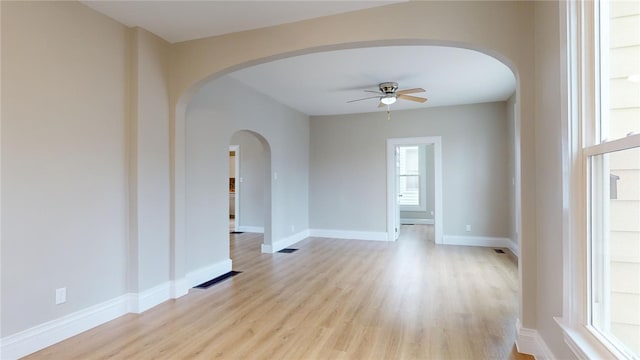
[
  {"x": 251, "y": 189},
  {"x": 180, "y": 114}
]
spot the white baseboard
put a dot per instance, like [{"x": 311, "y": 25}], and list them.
[
  {"x": 283, "y": 243},
  {"x": 529, "y": 341},
  {"x": 410, "y": 221},
  {"x": 179, "y": 288},
  {"x": 485, "y": 241},
  {"x": 515, "y": 249},
  {"x": 347, "y": 234},
  {"x": 251, "y": 229},
  {"x": 40, "y": 336},
  {"x": 206, "y": 273},
  {"x": 46, "y": 334},
  {"x": 149, "y": 298}
]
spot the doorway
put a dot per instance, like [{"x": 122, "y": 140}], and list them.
[
  {"x": 234, "y": 188},
  {"x": 251, "y": 184},
  {"x": 397, "y": 181}
]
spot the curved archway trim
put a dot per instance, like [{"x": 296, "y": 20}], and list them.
[{"x": 423, "y": 23}]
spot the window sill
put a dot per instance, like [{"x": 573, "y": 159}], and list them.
[
  {"x": 584, "y": 344},
  {"x": 413, "y": 208}
]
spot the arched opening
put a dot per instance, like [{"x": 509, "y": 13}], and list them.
[
  {"x": 187, "y": 98},
  {"x": 251, "y": 189}
]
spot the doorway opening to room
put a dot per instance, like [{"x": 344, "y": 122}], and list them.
[
  {"x": 234, "y": 170},
  {"x": 414, "y": 180},
  {"x": 249, "y": 187}
]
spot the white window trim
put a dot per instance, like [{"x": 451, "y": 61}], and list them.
[
  {"x": 581, "y": 84},
  {"x": 422, "y": 176}
]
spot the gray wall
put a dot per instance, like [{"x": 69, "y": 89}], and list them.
[
  {"x": 429, "y": 191},
  {"x": 348, "y": 167},
  {"x": 64, "y": 161},
  {"x": 221, "y": 108},
  {"x": 254, "y": 172},
  {"x": 149, "y": 180}
]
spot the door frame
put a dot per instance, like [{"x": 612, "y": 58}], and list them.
[{"x": 392, "y": 197}]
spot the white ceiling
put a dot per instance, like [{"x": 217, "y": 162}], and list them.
[
  {"x": 322, "y": 83},
  {"x": 177, "y": 21}
]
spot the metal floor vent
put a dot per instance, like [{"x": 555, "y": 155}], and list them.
[
  {"x": 287, "y": 250},
  {"x": 499, "y": 251},
  {"x": 208, "y": 284},
  {"x": 237, "y": 232}
]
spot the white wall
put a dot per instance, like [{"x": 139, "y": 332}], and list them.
[
  {"x": 64, "y": 160},
  {"x": 348, "y": 167},
  {"x": 221, "y": 108},
  {"x": 548, "y": 179},
  {"x": 254, "y": 160}
]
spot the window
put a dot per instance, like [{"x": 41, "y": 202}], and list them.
[
  {"x": 409, "y": 176},
  {"x": 613, "y": 163},
  {"x": 602, "y": 291},
  {"x": 614, "y": 247},
  {"x": 412, "y": 178}
]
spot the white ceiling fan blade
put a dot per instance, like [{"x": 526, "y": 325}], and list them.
[
  {"x": 371, "y": 97},
  {"x": 410, "y": 91},
  {"x": 412, "y": 98}
]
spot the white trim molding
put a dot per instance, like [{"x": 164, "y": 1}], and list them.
[
  {"x": 484, "y": 241},
  {"x": 206, "y": 273},
  {"x": 584, "y": 343},
  {"x": 251, "y": 229},
  {"x": 515, "y": 249},
  {"x": 529, "y": 341},
  {"x": 143, "y": 301},
  {"x": 179, "y": 288},
  {"x": 410, "y": 221},
  {"x": 350, "y": 235},
  {"x": 281, "y": 244},
  {"x": 40, "y": 336}
]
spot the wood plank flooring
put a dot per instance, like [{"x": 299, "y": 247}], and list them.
[{"x": 332, "y": 299}]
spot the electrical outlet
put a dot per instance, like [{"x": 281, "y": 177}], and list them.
[
  {"x": 432, "y": 213},
  {"x": 61, "y": 295},
  {"x": 275, "y": 176},
  {"x": 468, "y": 228},
  {"x": 293, "y": 228}
]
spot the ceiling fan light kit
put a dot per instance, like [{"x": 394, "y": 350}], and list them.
[{"x": 388, "y": 99}]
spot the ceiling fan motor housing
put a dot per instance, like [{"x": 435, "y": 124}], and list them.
[{"x": 388, "y": 87}]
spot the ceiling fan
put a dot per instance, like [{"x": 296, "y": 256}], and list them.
[{"x": 389, "y": 93}]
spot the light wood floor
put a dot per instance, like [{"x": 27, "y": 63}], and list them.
[{"x": 332, "y": 299}]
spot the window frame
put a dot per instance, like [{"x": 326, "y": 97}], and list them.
[{"x": 584, "y": 98}]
